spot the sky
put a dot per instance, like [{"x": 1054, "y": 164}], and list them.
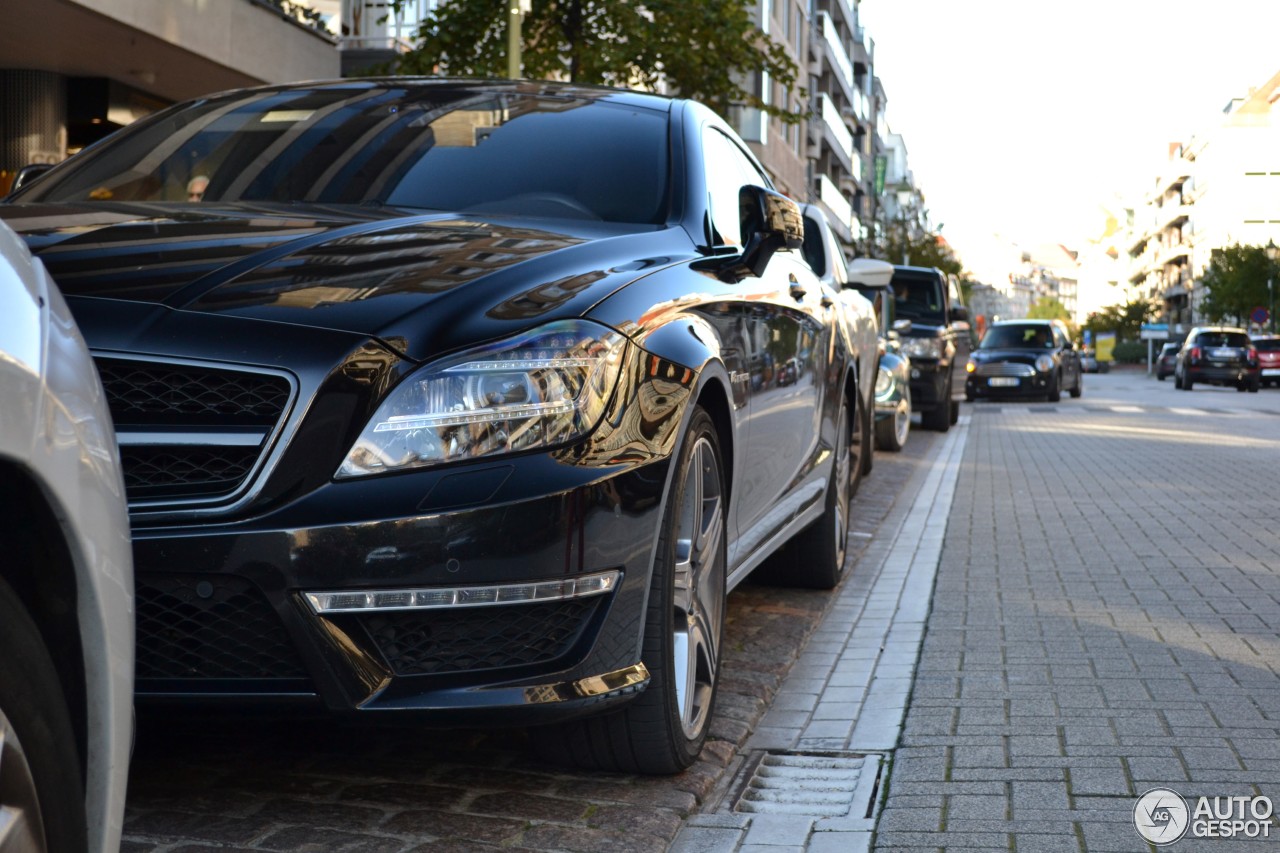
[{"x": 1024, "y": 118}]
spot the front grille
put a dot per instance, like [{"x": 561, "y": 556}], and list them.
[
  {"x": 209, "y": 627},
  {"x": 143, "y": 392},
  {"x": 190, "y": 431},
  {"x": 1004, "y": 368},
  {"x": 478, "y": 638}
]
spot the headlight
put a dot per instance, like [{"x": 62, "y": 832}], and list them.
[
  {"x": 922, "y": 347},
  {"x": 970, "y": 367},
  {"x": 1044, "y": 363},
  {"x": 543, "y": 388},
  {"x": 884, "y": 382}
]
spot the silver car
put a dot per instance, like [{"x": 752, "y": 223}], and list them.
[{"x": 66, "y": 579}]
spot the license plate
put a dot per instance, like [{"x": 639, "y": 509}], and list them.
[
  {"x": 1003, "y": 381},
  {"x": 1222, "y": 353},
  {"x": 1271, "y": 371}
]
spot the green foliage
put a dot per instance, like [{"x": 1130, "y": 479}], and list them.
[
  {"x": 1125, "y": 320},
  {"x": 1237, "y": 282},
  {"x": 1048, "y": 308},
  {"x": 1130, "y": 352},
  {"x": 920, "y": 249},
  {"x": 700, "y": 48}
]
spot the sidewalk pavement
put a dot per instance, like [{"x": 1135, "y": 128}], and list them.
[
  {"x": 1104, "y": 622},
  {"x": 807, "y": 778}
]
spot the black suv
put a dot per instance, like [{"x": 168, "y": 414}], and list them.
[
  {"x": 938, "y": 340},
  {"x": 1218, "y": 355}
]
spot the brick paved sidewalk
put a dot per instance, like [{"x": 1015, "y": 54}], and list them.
[{"x": 1105, "y": 621}]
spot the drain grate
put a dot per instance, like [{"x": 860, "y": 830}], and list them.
[{"x": 811, "y": 784}]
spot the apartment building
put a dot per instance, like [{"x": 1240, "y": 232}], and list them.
[{"x": 1221, "y": 188}]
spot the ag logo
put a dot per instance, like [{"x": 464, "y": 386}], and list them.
[{"x": 1161, "y": 816}]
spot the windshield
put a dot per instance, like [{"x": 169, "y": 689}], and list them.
[
  {"x": 419, "y": 147},
  {"x": 918, "y": 297},
  {"x": 1018, "y": 336},
  {"x": 1267, "y": 344}
]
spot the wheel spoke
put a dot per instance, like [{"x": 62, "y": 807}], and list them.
[{"x": 20, "y": 825}]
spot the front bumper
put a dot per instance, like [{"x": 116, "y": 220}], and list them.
[
  {"x": 222, "y": 613},
  {"x": 1008, "y": 386},
  {"x": 930, "y": 384}
]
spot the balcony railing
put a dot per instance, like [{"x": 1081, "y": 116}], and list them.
[
  {"x": 299, "y": 13},
  {"x": 838, "y": 54},
  {"x": 835, "y": 123},
  {"x": 829, "y": 194}
]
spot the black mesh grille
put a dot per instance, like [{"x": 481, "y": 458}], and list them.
[
  {"x": 145, "y": 393},
  {"x": 209, "y": 626},
  {"x": 157, "y": 470},
  {"x": 480, "y": 638},
  {"x": 210, "y": 425}
]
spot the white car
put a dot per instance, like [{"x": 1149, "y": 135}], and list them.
[
  {"x": 822, "y": 253},
  {"x": 66, "y": 579}
]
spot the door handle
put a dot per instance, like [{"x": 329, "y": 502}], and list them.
[
  {"x": 797, "y": 291},
  {"x": 827, "y": 301}
]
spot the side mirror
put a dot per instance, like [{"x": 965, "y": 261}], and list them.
[
  {"x": 869, "y": 273},
  {"x": 902, "y": 326},
  {"x": 959, "y": 314},
  {"x": 770, "y": 222},
  {"x": 27, "y": 174}
]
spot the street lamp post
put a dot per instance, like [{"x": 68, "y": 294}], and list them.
[{"x": 1273, "y": 253}]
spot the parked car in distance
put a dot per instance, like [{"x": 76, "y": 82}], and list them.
[
  {"x": 1167, "y": 359},
  {"x": 66, "y": 583},
  {"x": 938, "y": 343},
  {"x": 822, "y": 253},
  {"x": 459, "y": 400},
  {"x": 1268, "y": 347},
  {"x": 1089, "y": 360},
  {"x": 1218, "y": 355},
  {"x": 893, "y": 393},
  {"x": 1024, "y": 358}
]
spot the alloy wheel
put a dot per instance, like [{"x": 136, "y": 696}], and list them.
[
  {"x": 699, "y": 586},
  {"x": 20, "y": 821}
]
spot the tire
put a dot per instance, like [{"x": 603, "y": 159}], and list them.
[
  {"x": 40, "y": 781},
  {"x": 1078, "y": 388},
  {"x": 955, "y": 412},
  {"x": 1054, "y": 394},
  {"x": 891, "y": 433},
  {"x": 814, "y": 559},
  {"x": 1187, "y": 384},
  {"x": 663, "y": 729},
  {"x": 1254, "y": 386},
  {"x": 1242, "y": 387},
  {"x": 1160, "y": 376}
]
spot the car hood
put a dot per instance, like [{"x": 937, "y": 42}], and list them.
[
  {"x": 422, "y": 282},
  {"x": 1023, "y": 356}
]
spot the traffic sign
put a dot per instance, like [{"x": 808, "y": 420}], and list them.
[{"x": 1260, "y": 315}]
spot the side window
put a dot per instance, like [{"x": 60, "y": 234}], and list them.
[
  {"x": 954, "y": 284},
  {"x": 1059, "y": 339},
  {"x": 813, "y": 250},
  {"x": 728, "y": 169}
]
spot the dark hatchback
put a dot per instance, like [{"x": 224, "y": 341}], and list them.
[
  {"x": 465, "y": 399},
  {"x": 1167, "y": 360},
  {"x": 1218, "y": 355},
  {"x": 1024, "y": 358}
]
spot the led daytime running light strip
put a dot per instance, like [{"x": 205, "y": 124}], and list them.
[
  {"x": 365, "y": 601},
  {"x": 483, "y": 416},
  {"x": 521, "y": 364}
]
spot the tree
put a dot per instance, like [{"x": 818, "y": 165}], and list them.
[
  {"x": 1237, "y": 282},
  {"x": 1125, "y": 320},
  {"x": 701, "y": 49},
  {"x": 1048, "y": 308}
]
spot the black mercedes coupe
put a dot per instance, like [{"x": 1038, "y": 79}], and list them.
[{"x": 464, "y": 399}]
